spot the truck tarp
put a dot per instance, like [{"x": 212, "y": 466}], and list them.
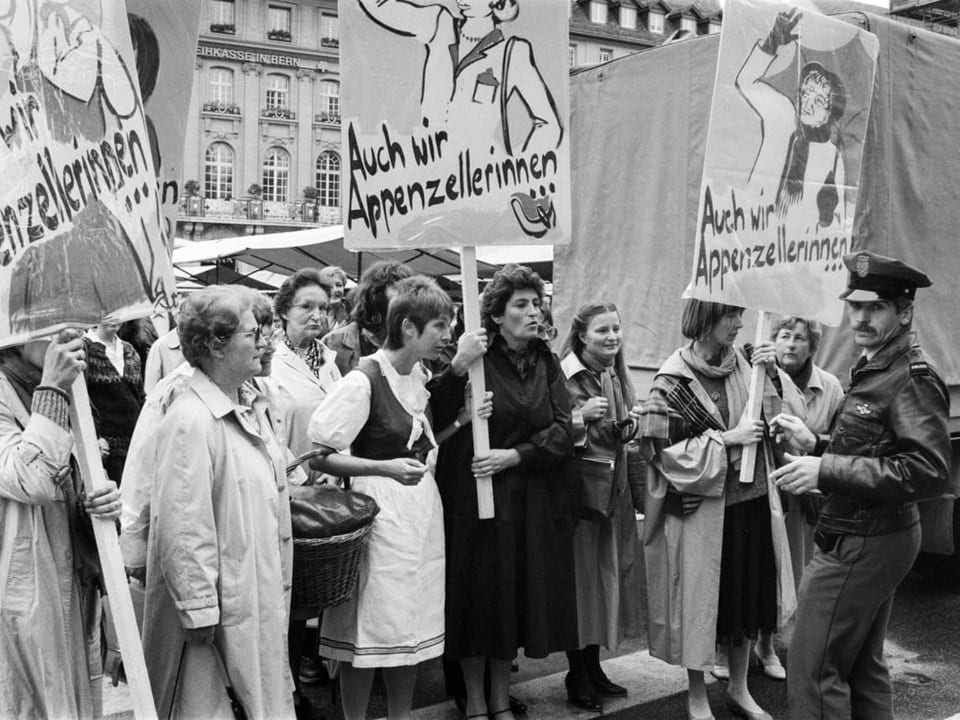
[{"x": 638, "y": 130}]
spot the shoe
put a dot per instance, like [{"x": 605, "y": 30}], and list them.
[
  {"x": 770, "y": 664},
  {"x": 585, "y": 701},
  {"x": 604, "y": 686},
  {"x": 517, "y": 707},
  {"x": 312, "y": 671},
  {"x": 720, "y": 672},
  {"x": 738, "y": 710}
]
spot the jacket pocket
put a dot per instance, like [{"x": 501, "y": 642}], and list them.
[
  {"x": 856, "y": 435},
  {"x": 19, "y": 589}
]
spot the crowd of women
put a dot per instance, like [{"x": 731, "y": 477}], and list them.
[{"x": 382, "y": 393}]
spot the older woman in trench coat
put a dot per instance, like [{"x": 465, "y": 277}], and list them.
[
  {"x": 718, "y": 566},
  {"x": 220, "y": 546}
]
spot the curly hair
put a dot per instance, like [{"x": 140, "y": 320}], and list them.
[
  {"x": 370, "y": 295},
  {"x": 504, "y": 284},
  {"x": 210, "y": 315},
  {"x": 814, "y": 333},
  {"x": 288, "y": 290}
]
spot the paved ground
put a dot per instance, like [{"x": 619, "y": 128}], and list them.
[{"x": 923, "y": 651}]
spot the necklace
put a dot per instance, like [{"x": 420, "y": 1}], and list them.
[{"x": 471, "y": 39}]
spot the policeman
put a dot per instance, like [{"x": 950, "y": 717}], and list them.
[{"x": 888, "y": 448}]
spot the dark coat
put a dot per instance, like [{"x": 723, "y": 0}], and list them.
[{"x": 510, "y": 580}]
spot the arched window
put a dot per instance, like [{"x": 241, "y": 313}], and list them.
[
  {"x": 330, "y": 99},
  {"x": 221, "y": 85},
  {"x": 276, "y": 175},
  {"x": 278, "y": 91},
  {"x": 328, "y": 179},
  {"x": 218, "y": 172}
]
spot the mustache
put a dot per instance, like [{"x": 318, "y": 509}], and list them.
[{"x": 863, "y": 328}]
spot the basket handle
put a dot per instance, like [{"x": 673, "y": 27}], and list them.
[{"x": 307, "y": 456}]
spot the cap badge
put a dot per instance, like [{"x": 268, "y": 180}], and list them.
[
  {"x": 864, "y": 408},
  {"x": 863, "y": 265}
]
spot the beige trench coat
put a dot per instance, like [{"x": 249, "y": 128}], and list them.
[
  {"x": 49, "y": 623},
  {"x": 220, "y": 553},
  {"x": 682, "y": 554}
]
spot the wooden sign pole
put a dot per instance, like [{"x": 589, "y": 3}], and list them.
[
  {"x": 481, "y": 437},
  {"x": 748, "y": 459},
  {"x": 111, "y": 562}
]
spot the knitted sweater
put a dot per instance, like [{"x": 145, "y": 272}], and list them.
[{"x": 116, "y": 400}]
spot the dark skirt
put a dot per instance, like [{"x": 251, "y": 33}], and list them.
[{"x": 748, "y": 573}]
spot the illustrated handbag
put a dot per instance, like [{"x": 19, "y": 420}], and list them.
[{"x": 597, "y": 482}]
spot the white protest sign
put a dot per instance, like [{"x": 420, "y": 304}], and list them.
[
  {"x": 80, "y": 234},
  {"x": 782, "y": 165},
  {"x": 455, "y": 123}
]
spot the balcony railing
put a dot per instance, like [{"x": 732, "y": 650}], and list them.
[
  {"x": 283, "y": 35},
  {"x": 223, "y": 28},
  {"x": 328, "y": 118},
  {"x": 255, "y": 209},
  {"x": 215, "y": 106},
  {"x": 281, "y": 113}
]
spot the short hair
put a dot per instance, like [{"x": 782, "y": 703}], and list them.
[
  {"x": 300, "y": 279},
  {"x": 814, "y": 72},
  {"x": 506, "y": 281},
  {"x": 331, "y": 273},
  {"x": 700, "y": 317},
  {"x": 261, "y": 307},
  {"x": 901, "y": 303},
  {"x": 814, "y": 332},
  {"x": 370, "y": 296},
  {"x": 207, "y": 316},
  {"x": 504, "y": 10},
  {"x": 419, "y": 299}
]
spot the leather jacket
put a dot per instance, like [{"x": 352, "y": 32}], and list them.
[{"x": 889, "y": 444}]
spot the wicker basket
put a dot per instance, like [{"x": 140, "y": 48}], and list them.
[{"x": 325, "y": 570}]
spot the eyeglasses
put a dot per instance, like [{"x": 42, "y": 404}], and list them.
[{"x": 257, "y": 334}]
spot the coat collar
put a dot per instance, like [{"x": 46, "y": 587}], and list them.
[
  {"x": 214, "y": 398},
  {"x": 572, "y": 365},
  {"x": 885, "y": 356},
  {"x": 478, "y": 52}
]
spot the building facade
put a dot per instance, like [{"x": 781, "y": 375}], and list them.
[{"x": 262, "y": 150}]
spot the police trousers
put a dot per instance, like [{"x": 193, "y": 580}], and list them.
[{"x": 835, "y": 662}]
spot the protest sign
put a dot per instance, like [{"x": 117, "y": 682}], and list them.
[
  {"x": 164, "y": 35},
  {"x": 782, "y": 165},
  {"x": 80, "y": 235},
  {"x": 455, "y": 123}
]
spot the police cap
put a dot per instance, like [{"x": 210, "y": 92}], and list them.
[{"x": 875, "y": 277}]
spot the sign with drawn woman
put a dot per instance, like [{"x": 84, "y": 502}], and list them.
[
  {"x": 782, "y": 164},
  {"x": 80, "y": 235},
  {"x": 455, "y": 122}
]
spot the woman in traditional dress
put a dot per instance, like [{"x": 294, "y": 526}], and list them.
[
  {"x": 718, "y": 567},
  {"x": 606, "y": 545},
  {"x": 379, "y": 413},
  {"x": 510, "y": 579}
]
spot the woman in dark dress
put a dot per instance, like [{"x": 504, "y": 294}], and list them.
[{"x": 510, "y": 579}]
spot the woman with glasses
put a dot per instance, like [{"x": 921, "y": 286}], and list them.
[
  {"x": 220, "y": 547},
  {"x": 304, "y": 369}
]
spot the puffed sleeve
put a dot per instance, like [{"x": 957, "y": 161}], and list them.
[
  {"x": 341, "y": 416},
  {"x": 918, "y": 467}
]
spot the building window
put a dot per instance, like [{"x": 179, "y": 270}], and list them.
[
  {"x": 278, "y": 92},
  {"x": 713, "y": 28},
  {"x": 689, "y": 24},
  {"x": 329, "y": 93},
  {"x": 606, "y": 55},
  {"x": 655, "y": 22},
  {"x": 328, "y": 179},
  {"x": 276, "y": 175},
  {"x": 329, "y": 30},
  {"x": 221, "y": 13},
  {"x": 278, "y": 23},
  {"x": 573, "y": 55},
  {"x": 628, "y": 17},
  {"x": 598, "y": 11},
  {"x": 221, "y": 86},
  {"x": 218, "y": 172}
]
